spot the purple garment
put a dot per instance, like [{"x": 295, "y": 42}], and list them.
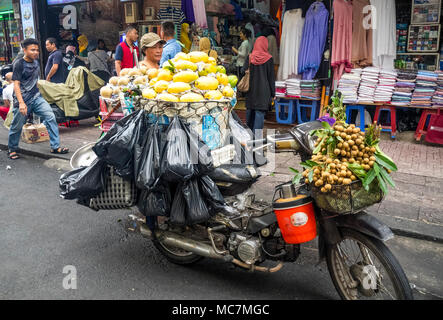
[
  {"x": 188, "y": 10},
  {"x": 313, "y": 40}
]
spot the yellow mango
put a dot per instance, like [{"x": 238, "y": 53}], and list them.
[
  {"x": 185, "y": 65},
  {"x": 213, "y": 95},
  {"x": 178, "y": 87},
  {"x": 153, "y": 82},
  {"x": 153, "y": 73},
  {"x": 206, "y": 83},
  {"x": 198, "y": 56},
  {"x": 212, "y": 61},
  {"x": 222, "y": 78},
  {"x": 161, "y": 86},
  {"x": 165, "y": 75},
  {"x": 191, "y": 97},
  {"x": 228, "y": 92},
  {"x": 149, "y": 93},
  {"x": 167, "y": 97},
  {"x": 182, "y": 56},
  {"x": 185, "y": 76}
]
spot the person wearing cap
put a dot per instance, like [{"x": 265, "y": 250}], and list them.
[{"x": 152, "y": 48}]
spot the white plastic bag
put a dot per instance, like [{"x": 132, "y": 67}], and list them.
[{"x": 239, "y": 132}]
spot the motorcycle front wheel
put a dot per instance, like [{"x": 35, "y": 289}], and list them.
[{"x": 363, "y": 268}]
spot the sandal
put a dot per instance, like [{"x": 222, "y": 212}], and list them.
[
  {"x": 60, "y": 151},
  {"x": 13, "y": 155}
]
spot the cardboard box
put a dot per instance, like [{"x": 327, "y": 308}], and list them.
[{"x": 33, "y": 133}]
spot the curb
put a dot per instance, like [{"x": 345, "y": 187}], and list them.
[
  {"x": 37, "y": 154},
  {"x": 412, "y": 229}
]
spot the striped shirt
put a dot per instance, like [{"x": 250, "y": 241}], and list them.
[{"x": 172, "y": 14}]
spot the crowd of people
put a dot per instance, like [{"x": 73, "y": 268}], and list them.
[{"x": 22, "y": 97}]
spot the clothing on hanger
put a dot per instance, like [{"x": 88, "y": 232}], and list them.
[
  {"x": 315, "y": 32},
  {"x": 290, "y": 44},
  {"x": 173, "y": 14},
  {"x": 384, "y": 34},
  {"x": 361, "y": 36},
  {"x": 200, "y": 13},
  {"x": 342, "y": 38}
]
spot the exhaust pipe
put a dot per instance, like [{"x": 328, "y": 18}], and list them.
[{"x": 178, "y": 241}]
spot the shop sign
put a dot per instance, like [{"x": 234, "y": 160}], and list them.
[
  {"x": 27, "y": 14},
  {"x": 5, "y": 5}
]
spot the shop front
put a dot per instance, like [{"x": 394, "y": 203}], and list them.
[{"x": 10, "y": 31}]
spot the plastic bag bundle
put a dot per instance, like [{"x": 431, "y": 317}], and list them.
[
  {"x": 184, "y": 156},
  {"x": 117, "y": 147},
  {"x": 84, "y": 183},
  {"x": 155, "y": 203},
  {"x": 147, "y": 159}
]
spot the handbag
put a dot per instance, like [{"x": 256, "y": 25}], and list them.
[{"x": 243, "y": 85}]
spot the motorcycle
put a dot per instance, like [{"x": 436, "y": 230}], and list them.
[{"x": 361, "y": 266}]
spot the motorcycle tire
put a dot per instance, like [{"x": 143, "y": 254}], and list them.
[
  {"x": 377, "y": 249},
  {"x": 176, "y": 256}
]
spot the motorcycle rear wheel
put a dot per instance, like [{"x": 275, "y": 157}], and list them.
[{"x": 363, "y": 278}]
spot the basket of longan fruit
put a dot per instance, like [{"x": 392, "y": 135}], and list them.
[{"x": 347, "y": 171}]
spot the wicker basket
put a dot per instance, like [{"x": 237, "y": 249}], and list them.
[
  {"x": 118, "y": 194},
  {"x": 348, "y": 199}
]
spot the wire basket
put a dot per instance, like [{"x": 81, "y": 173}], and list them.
[
  {"x": 118, "y": 193},
  {"x": 347, "y": 199},
  {"x": 210, "y": 119}
]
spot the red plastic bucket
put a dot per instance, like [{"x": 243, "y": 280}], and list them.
[{"x": 296, "y": 219}]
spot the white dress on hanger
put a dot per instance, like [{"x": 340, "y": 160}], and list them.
[
  {"x": 292, "y": 33},
  {"x": 384, "y": 34}
]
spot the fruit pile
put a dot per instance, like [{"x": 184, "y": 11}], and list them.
[
  {"x": 189, "y": 77},
  {"x": 343, "y": 154}
]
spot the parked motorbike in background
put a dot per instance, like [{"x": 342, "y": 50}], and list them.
[{"x": 361, "y": 266}]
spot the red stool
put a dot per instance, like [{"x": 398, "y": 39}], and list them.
[
  {"x": 393, "y": 127},
  {"x": 422, "y": 123}
]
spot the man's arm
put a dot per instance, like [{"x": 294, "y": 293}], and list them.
[
  {"x": 23, "y": 108},
  {"x": 118, "y": 67},
  {"x": 52, "y": 72}
]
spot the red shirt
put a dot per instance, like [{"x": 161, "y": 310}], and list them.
[{"x": 125, "y": 55}]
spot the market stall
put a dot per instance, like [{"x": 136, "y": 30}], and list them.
[{"x": 384, "y": 56}]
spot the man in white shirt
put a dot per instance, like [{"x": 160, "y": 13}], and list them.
[{"x": 7, "y": 96}]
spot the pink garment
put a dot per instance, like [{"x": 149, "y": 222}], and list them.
[
  {"x": 215, "y": 23},
  {"x": 342, "y": 38},
  {"x": 200, "y": 13}
]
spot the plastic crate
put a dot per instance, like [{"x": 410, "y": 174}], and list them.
[
  {"x": 118, "y": 194},
  {"x": 105, "y": 126}
]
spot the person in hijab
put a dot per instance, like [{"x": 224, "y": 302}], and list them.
[
  {"x": 261, "y": 84},
  {"x": 83, "y": 45},
  {"x": 205, "y": 46},
  {"x": 272, "y": 47},
  {"x": 184, "y": 38}
]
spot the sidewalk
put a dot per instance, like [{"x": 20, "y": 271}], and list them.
[{"x": 414, "y": 208}]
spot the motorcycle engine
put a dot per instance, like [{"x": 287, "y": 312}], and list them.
[{"x": 246, "y": 248}]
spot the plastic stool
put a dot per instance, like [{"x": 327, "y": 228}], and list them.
[
  {"x": 422, "y": 123},
  {"x": 284, "y": 111},
  {"x": 359, "y": 108},
  {"x": 391, "y": 128},
  {"x": 301, "y": 110}
]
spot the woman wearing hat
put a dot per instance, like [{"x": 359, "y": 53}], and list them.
[{"x": 152, "y": 48}]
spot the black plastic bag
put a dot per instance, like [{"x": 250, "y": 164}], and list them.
[
  {"x": 178, "y": 208},
  {"x": 176, "y": 165},
  {"x": 196, "y": 209},
  {"x": 184, "y": 155},
  {"x": 84, "y": 183},
  {"x": 213, "y": 197},
  {"x": 155, "y": 203},
  {"x": 118, "y": 150},
  {"x": 147, "y": 159}
]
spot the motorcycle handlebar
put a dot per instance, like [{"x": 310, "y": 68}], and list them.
[{"x": 260, "y": 142}]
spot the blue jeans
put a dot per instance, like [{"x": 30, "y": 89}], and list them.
[
  {"x": 41, "y": 108},
  {"x": 255, "y": 119}
]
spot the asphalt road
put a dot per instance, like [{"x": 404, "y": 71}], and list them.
[{"x": 41, "y": 234}]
